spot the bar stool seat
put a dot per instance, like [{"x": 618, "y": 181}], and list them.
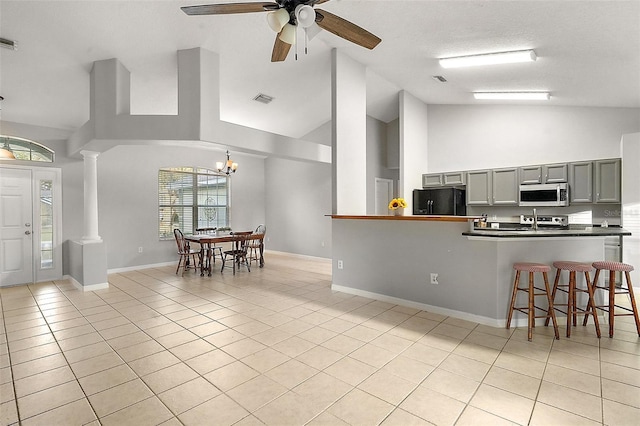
[
  {"x": 571, "y": 289},
  {"x": 614, "y": 267},
  {"x": 532, "y": 268}
]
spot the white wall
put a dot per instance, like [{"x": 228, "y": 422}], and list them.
[
  {"x": 463, "y": 137},
  {"x": 298, "y": 196},
  {"x": 349, "y": 135},
  {"x": 630, "y": 147},
  {"x": 414, "y": 146}
]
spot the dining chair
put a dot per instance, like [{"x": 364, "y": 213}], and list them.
[
  {"x": 185, "y": 252},
  {"x": 256, "y": 244},
  {"x": 238, "y": 252}
]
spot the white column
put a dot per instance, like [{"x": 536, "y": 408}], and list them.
[{"x": 90, "y": 197}]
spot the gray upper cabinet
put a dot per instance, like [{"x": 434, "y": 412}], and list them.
[
  {"x": 581, "y": 182},
  {"x": 434, "y": 179},
  {"x": 454, "y": 178},
  {"x": 479, "y": 188},
  {"x": 439, "y": 179},
  {"x": 549, "y": 173},
  {"x": 607, "y": 180},
  {"x": 530, "y": 175},
  {"x": 555, "y": 173},
  {"x": 505, "y": 187}
]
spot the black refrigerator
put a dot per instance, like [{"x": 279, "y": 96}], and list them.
[{"x": 440, "y": 201}]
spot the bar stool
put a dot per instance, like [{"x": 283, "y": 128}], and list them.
[
  {"x": 531, "y": 268},
  {"x": 572, "y": 309},
  {"x": 614, "y": 267}
]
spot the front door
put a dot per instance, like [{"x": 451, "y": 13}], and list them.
[{"x": 16, "y": 230}]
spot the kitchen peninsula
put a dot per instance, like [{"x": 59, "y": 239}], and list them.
[{"x": 393, "y": 258}]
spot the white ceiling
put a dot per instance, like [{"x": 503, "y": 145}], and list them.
[{"x": 588, "y": 55}]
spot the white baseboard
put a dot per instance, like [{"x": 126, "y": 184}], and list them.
[
  {"x": 138, "y": 267},
  {"x": 299, "y": 256},
  {"x": 491, "y": 322},
  {"x": 92, "y": 287}
]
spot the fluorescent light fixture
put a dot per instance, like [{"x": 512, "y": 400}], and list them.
[
  {"x": 489, "y": 59},
  {"x": 512, "y": 96}
]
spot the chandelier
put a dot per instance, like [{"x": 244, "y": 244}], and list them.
[{"x": 228, "y": 167}]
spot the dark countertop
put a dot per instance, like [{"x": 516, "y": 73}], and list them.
[{"x": 579, "y": 232}]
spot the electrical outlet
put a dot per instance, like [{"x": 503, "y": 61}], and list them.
[
  {"x": 340, "y": 264},
  {"x": 434, "y": 278},
  {"x": 139, "y": 249}
]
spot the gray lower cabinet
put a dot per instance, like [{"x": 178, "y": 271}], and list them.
[
  {"x": 581, "y": 182},
  {"x": 607, "y": 181},
  {"x": 479, "y": 188},
  {"x": 505, "y": 187}
]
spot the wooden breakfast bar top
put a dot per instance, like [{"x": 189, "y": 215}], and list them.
[{"x": 408, "y": 217}]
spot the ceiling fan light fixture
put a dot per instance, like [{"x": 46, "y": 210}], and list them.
[
  {"x": 288, "y": 34},
  {"x": 305, "y": 15},
  {"x": 512, "y": 96},
  {"x": 277, "y": 19},
  {"x": 489, "y": 59}
]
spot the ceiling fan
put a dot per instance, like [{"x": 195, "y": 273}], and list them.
[{"x": 286, "y": 15}]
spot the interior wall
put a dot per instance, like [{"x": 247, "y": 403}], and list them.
[
  {"x": 298, "y": 196},
  {"x": 465, "y": 137},
  {"x": 377, "y": 160}
]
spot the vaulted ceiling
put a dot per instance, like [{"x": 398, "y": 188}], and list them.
[{"x": 588, "y": 56}]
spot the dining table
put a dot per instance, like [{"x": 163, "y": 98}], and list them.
[{"x": 207, "y": 243}]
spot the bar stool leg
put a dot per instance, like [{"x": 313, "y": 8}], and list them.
[
  {"x": 612, "y": 300},
  {"x": 591, "y": 306},
  {"x": 516, "y": 282},
  {"x": 550, "y": 309},
  {"x": 633, "y": 301},
  {"x": 553, "y": 293},
  {"x": 530, "y": 314},
  {"x": 571, "y": 303}
]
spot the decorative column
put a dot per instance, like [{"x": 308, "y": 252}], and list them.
[{"x": 90, "y": 197}]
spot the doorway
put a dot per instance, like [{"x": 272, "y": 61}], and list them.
[
  {"x": 384, "y": 194},
  {"x": 30, "y": 225}
]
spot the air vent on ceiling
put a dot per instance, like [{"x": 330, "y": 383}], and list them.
[
  {"x": 9, "y": 44},
  {"x": 439, "y": 78},
  {"x": 261, "y": 97}
]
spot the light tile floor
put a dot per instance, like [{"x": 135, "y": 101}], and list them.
[{"x": 276, "y": 346}]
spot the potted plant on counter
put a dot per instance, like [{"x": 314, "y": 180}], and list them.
[{"x": 398, "y": 205}]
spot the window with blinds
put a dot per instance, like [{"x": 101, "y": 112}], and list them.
[{"x": 190, "y": 198}]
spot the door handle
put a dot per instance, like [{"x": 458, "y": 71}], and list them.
[
  {"x": 27, "y": 232},
  {"x": 27, "y": 224}
]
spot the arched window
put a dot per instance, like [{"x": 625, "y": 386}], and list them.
[
  {"x": 190, "y": 198},
  {"x": 26, "y": 150}
]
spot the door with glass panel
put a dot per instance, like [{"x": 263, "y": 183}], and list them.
[{"x": 30, "y": 225}]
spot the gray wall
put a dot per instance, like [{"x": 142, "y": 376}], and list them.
[
  {"x": 128, "y": 199},
  {"x": 298, "y": 196}
]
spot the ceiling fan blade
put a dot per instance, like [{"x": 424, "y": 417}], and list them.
[
  {"x": 280, "y": 50},
  {"x": 222, "y": 9},
  {"x": 345, "y": 29}
]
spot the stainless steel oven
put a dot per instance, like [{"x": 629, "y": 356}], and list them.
[{"x": 552, "y": 194}]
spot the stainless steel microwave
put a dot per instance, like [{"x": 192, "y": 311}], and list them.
[{"x": 551, "y": 194}]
